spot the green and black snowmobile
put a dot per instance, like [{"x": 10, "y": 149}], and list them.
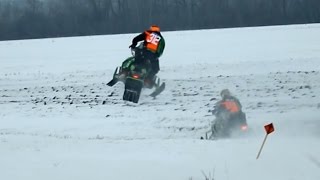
[{"x": 135, "y": 75}]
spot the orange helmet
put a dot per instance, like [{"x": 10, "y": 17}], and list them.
[{"x": 154, "y": 28}]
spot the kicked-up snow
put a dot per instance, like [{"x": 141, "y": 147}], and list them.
[{"x": 59, "y": 119}]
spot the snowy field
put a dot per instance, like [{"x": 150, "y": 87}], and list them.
[{"x": 59, "y": 120}]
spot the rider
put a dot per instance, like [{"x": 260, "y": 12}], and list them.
[
  {"x": 228, "y": 112},
  {"x": 152, "y": 48},
  {"x": 229, "y": 103}
]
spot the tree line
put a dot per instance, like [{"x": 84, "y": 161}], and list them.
[{"x": 60, "y": 18}]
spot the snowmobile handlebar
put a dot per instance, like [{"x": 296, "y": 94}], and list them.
[{"x": 133, "y": 51}]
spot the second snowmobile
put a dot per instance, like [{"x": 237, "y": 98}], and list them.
[{"x": 227, "y": 124}]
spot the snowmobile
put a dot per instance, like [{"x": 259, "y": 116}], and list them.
[
  {"x": 134, "y": 76},
  {"x": 227, "y": 125}
]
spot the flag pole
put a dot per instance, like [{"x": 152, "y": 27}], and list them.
[{"x": 264, "y": 141}]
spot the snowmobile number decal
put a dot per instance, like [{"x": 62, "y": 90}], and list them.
[{"x": 153, "y": 39}]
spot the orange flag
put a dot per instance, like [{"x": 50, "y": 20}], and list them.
[{"x": 269, "y": 128}]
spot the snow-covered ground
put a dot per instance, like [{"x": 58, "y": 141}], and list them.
[{"x": 59, "y": 120}]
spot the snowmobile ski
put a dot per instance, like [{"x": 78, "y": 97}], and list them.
[
  {"x": 114, "y": 79},
  {"x": 112, "y": 82},
  {"x": 206, "y": 136},
  {"x": 158, "y": 90}
]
